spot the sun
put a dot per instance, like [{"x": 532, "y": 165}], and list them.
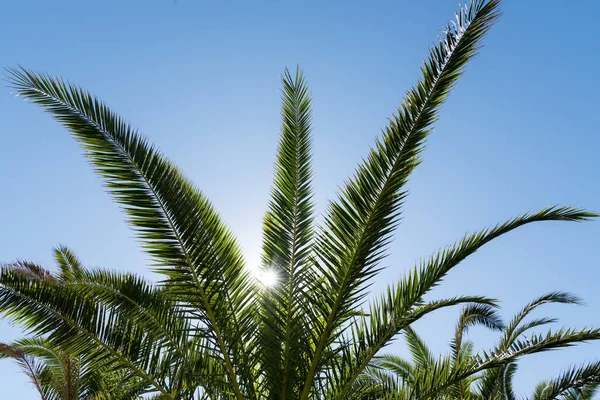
[{"x": 268, "y": 278}]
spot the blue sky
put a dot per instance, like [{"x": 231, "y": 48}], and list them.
[{"x": 201, "y": 79}]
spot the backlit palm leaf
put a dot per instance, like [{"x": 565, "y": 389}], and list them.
[
  {"x": 287, "y": 239},
  {"x": 175, "y": 222},
  {"x": 359, "y": 224}
]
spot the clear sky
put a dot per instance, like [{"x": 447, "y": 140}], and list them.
[{"x": 519, "y": 132}]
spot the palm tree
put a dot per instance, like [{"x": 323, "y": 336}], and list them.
[
  {"x": 209, "y": 330},
  {"x": 401, "y": 377},
  {"x": 54, "y": 372},
  {"x": 575, "y": 383},
  {"x": 404, "y": 377},
  {"x": 56, "y": 375}
]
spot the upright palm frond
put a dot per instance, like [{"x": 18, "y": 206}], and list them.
[
  {"x": 359, "y": 224},
  {"x": 496, "y": 383},
  {"x": 287, "y": 239},
  {"x": 70, "y": 266}
]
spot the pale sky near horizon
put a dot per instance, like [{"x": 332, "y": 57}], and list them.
[{"x": 201, "y": 79}]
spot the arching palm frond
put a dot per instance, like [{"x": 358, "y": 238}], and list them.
[
  {"x": 516, "y": 327},
  {"x": 497, "y": 383},
  {"x": 574, "y": 383},
  {"x": 474, "y": 314},
  {"x": 467, "y": 375},
  {"x": 175, "y": 222}
]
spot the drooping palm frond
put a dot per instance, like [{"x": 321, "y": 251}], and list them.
[
  {"x": 398, "y": 308},
  {"x": 409, "y": 378},
  {"x": 465, "y": 374},
  {"x": 497, "y": 382},
  {"x": 29, "y": 367},
  {"x": 437, "y": 379},
  {"x": 472, "y": 315},
  {"x": 30, "y": 270},
  {"x": 516, "y": 327}
]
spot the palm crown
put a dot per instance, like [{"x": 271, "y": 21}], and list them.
[
  {"x": 208, "y": 329},
  {"x": 403, "y": 378},
  {"x": 56, "y": 375},
  {"x": 54, "y": 371}
]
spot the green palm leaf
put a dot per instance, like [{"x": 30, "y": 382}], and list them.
[
  {"x": 86, "y": 326},
  {"x": 576, "y": 382},
  {"x": 57, "y": 375},
  {"x": 175, "y": 222},
  {"x": 359, "y": 225},
  {"x": 472, "y": 315},
  {"x": 287, "y": 243},
  {"x": 396, "y": 310}
]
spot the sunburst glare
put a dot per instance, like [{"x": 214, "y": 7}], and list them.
[{"x": 268, "y": 278}]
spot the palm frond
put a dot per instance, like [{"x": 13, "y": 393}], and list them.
[
  {"x": 576, "y": 382},
  {"x": 395, "y": 365},
  {"x": 68, "y": 262},
  {"x": 472, "y": 315},
  {"x": 453, "y": 373},
  {"x": 287, "y": 243},
  {"x": 419, "y": 351},
  {"x": 29, "y": 367},
  {"x": 45, "y": 308},
  {"x": 515, "y": 328},
  {"x": 358, "y": 226},
  {"x": 176, "y": 223},
  {"x": 399, "y": 306}
]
